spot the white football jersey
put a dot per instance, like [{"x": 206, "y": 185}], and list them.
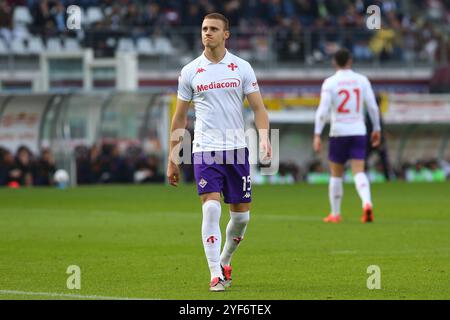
[
  {"x": 217, "y": 91},
  {"x": 345, "y": 94}
]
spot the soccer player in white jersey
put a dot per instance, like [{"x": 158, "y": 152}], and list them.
[
  {"x": 344, "y": 95},
  {"x": 217, "y": 82}
]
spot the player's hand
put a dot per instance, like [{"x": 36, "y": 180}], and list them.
[
  {"x": 265, "y": 149},
  {"x": 317, "y": 143},
  {"x": 173, "y": 174},
  {"x": 376, "y": 139}
]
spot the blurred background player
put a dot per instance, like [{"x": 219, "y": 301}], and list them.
[
  {"x": 344, "y": 94},
  {"x": 381, "y": 150},
  {"x": 219, "y": 108}
]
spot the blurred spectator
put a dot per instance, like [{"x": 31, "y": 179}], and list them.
[
  {"x": 382, "y": 43},
  {"x": 45, "y": 169},
  {"x": 287, "y": 174},
  {"x": 382, "y": 149},
  {"x": 194, "y": 16},
  {"x": 4, "y": 170},
  {"x": 82, "y": 156},
  {"x": 425, "y": 171},
  {"x": 400, "y": 172},
  {"x": 307, "y": 11},
  {"x": 351, "y": 17},
  {"x": 438, "y": 172},
  {"x": 418, "y": 172},
  {"x": 376, "y": 173},
  {"x": 59, "y": 16},
  {"x": 422, "y": 171},
  {"x": 105, "y": 164},
  {"x": 95, "y": 164},
  {"x": 435, "y": 10},
  {"x": 114, "y": 168},
  {"x": 6, "y": 26},
  {"x": 111, "y": 165},
  {"x": 292, "y": 46},
  {"x": 24, "y": 163},
  {"x": 10, "y": 174},
  {"x": 13, "y": 3},
  {"x": 132, "y": 16},
  {"x": 153, "y": 143},
  {"x": 317, "y": 173},
  {"x": 147, "y": 170},
  {"x": 152, "y": 14},
  {"x": 417, "y": 30},
  {"x": 44, "y": 22},
  {"x": 113, "y": 19},
  {"x": 121, "y": 171},
  {"x": 445, "y": 165}
]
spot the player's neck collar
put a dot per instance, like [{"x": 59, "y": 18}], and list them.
[
  {"x": 343, "y": 70},
  {"x": 206, "y": 61}
]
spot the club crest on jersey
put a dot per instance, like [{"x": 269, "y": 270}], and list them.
[
  {"x": 232, "y": 66},
  {"x": 203, "y": 183},
  {"x": 220, "y": 84}
]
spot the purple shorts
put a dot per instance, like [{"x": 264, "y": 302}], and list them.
[
  {"x": 226, "y": 172},
  {"x": 344, "y": 148}
]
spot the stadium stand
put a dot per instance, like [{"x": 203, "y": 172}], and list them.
[{"x": 299, "y": 30}]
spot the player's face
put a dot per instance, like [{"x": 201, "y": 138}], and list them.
[{"x": 213, "y": 33}]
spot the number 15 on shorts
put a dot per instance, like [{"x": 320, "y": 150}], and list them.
[{"x": 247, "y": 184}]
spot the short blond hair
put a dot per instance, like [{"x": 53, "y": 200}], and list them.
[{"x": 219, "y": 16}]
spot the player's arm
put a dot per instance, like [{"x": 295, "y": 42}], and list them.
[
  {"x": 179, "y": 121},
  {"x": 262, "y": 123},
  {"x": 321, "y": 117},
  {"x": 374, "y": 114}
]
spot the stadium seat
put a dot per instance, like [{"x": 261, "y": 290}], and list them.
[
  {"x": 71, "y": 45},
  {"x": 126, "y": 44},
  {"x": 3, "y": 48},
  {"x": 35, "y": 45},
  {"x": 21, "y": 16},
  {"x": 21, "y": 32},
  {"x": 145, "y": 46},
  {"x": 93, "y": 15},
  {"x": 18, "y": 47},
  {"x": 54, "y": 45},
  {"x": 163, "y": 45}
]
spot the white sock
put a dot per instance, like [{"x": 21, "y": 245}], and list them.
[
  {"x": 335, "y": 192},
  {"x": 362, "y": 185},
  {"x": 211, "y": 236},
  {"x": 235, "y": 234}
]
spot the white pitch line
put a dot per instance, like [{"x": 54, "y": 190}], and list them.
[{"x": 68, "y": 295}]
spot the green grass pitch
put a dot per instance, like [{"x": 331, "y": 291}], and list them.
[{"x": 144, "y": 242}]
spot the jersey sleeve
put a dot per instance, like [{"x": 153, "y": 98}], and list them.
[
  {"x": 372, "y": 106},
  {"x": 185, "y": 91},
  {"x": 249, "y": 82},
  {"x": 323, "y": 110}
]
